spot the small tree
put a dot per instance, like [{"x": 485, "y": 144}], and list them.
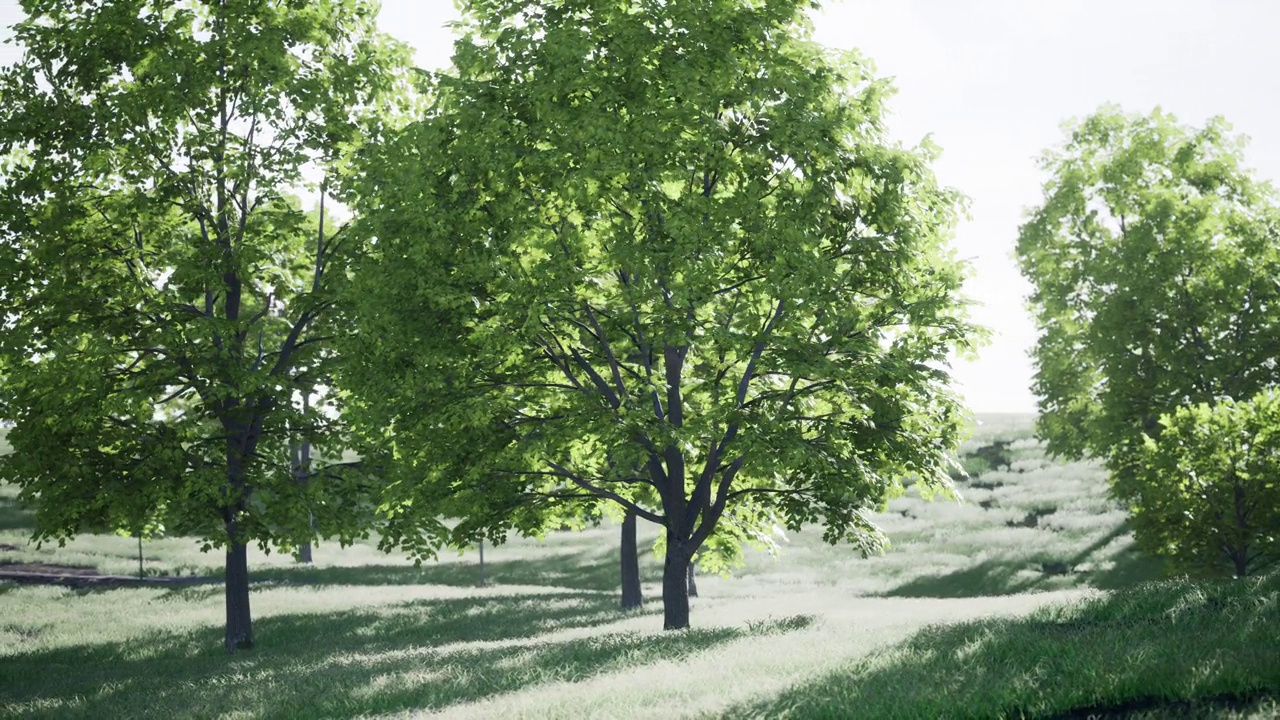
[{"x": 1207, "y": 492}]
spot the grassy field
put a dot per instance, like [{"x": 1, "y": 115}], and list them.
[{"x": 1026, "y": 599}]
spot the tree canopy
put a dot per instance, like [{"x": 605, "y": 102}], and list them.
[
  {"x": 659, "y": 254},
  {"x": 167, "y": 303},
  {"x": 1207, "y": 494},
  {"x": 1153, "y": 259}
]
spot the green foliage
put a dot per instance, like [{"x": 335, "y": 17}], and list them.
[
  {"x": 1207, "y": 492},
  {"x": 168, "y": 306},
  {"x": 660, "y": 254},
  {"x": 1153, "y": 259}
]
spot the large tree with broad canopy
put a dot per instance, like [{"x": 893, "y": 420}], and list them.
[{"x": 659, "y": 254}]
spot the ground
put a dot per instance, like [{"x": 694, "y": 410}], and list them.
[{"x": 1025, "y": 598}]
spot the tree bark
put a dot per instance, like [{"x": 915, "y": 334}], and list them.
[
  {"x": 301, "y": 453},
  {"x": 693, "y": 586},
  {"x": 675, "y": 585},
  {"x": 484, "y": 580},
  {"x": 632, "y": 598},
  {"x": 239, "y": 621}
]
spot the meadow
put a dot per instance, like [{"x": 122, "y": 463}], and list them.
[{"x": 1026, "y": 598}]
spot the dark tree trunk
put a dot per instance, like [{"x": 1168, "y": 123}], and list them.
[
  {"x": 675, "y": 585},
  {"x": 693, "y": 586},
  {"x": 632, "y": 598},
  {"x": 1239, "y": 557},
  {"x": 239, "y": 622},
  {"x": 301, "y": 453},
  {"x": 140, "y": 574},
  {"x": 484, "y": 580}
]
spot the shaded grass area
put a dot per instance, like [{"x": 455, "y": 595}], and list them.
[
  {"x": 1173, "y": 648},
  {"x": 13, "y": 515},
  {"x": 425, "y": 654}
]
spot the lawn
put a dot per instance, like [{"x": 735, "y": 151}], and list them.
[{"x": 1024, "y": 599}]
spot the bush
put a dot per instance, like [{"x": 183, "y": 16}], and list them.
[{"x": 1206, "y": 494}]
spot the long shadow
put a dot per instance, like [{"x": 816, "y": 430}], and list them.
[
  {"x": 990, "y": 577},
  {"x": 1001, "y": 576},
  {"x": 1168, "y": 649},
  {"x": 418, "y": 655},
  {"x": 571, "y": 571}
]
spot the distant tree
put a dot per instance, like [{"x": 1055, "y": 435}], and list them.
[
  {"x": 1153, "y": 260},
  {"x": 1207, "y": 492},
  {"x": 632, "y": 595},
  {"x": 673, "y": 235},
  {"x": 166, "y": 304}
]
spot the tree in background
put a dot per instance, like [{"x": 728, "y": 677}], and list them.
[
  {"x": 166, "y": 303},
  {"x": 1207, "y": 492},
  {"x": 632, "y": 595},
  {"x": 1153, "y": 259},
  {"x": 670, "y": 237}
]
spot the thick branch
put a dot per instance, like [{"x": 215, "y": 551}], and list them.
[{"x": 602, "y": 492}]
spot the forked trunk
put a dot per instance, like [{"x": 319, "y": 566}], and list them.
[
  {"x": 693, "y": 586},
  {"x": 675, "y": 586},
  {"x": 632, "y": 598},
  {"x": 239, "y": 622}
]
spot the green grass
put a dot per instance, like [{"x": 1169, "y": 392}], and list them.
[
  {"x": 1026, "y": 599},
  {"x": 1192, "y": 649}
]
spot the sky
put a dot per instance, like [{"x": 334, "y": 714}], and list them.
[{"x": 992, "y": 81}]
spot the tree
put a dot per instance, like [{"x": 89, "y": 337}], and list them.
[
  {"x": 167, "y": 304},
  {"x": 664, "y": 237},
  {"x": 1207, "y": 492},
  {"x": 632, "y": 595},
  {"x": 1153, "y": 259}
]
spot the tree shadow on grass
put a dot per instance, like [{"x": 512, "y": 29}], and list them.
[
  {"x": 14, "y": 515},
  {"x": 562, "y": 570},
  {"x": 1168, "y": 649},
  {"x": 419, "y": 655},
  {"x": 1036, "y": 571}
]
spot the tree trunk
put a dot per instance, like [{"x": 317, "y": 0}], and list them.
[
  {"x": 239, "y": 622},
  {"x": 301, "y": 456},
  {"x": 693, "y": 586},
  {"x": 632, "y": 597},
  {"x": 675, "y": 585},
  {"x": 140, "y": 574},
  {"x": 483, "y": 579}
]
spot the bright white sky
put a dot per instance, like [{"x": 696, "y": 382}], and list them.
[{"x": 992, "y": 80}]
